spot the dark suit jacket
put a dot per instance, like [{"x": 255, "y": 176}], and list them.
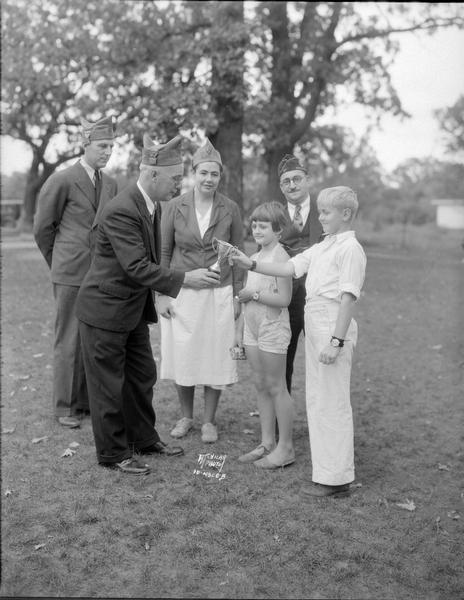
[
  {"x": 184, "y": 248},
  {"x": 66, "y": 219},
  {"x": 295, "y": 241},
  {"x": 117, "y": 291}
]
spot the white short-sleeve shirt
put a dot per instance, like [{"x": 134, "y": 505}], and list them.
[{"x": 334, "y": 266}]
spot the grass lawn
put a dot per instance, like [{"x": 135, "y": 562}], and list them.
[{"x": 71, "y": 528}]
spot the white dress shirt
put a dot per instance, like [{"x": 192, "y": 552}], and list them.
[
  {"x": 305, "y": 205},
  {"x": 88, "y": 169},
  {"x": 149, "y": 202},
  {"x": 334, "y": 266}
]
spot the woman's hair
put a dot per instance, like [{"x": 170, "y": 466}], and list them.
[
  {"x": 271, "y": 212},
  {"x": 341, "y": 197}
]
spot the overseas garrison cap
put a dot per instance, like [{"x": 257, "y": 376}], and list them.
[
  {"x": 161, "y": 155},
  {"x": 101, "y": 130},
  {"x": 207, "y": 153},
  {"x": 290, "y": 163}
]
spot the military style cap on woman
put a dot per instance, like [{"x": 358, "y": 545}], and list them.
[{"x": 207, "y": 153}]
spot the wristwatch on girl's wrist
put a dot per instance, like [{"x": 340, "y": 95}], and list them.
[
  {"x": 253, "y": 265},
  {"x": 336, "y": 342},
  {"x": 255, "y": 296}
]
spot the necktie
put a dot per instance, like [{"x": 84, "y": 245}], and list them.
[
  {"x": 297, "y": 218},
  {"x": 97, "y": 186}
]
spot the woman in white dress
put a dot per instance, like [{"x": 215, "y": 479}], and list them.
[{"x": 198, "y": 327}]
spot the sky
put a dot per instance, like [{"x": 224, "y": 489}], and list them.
[{"x": 428, "y": 74}]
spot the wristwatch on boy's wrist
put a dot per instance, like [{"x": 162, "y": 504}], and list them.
[
  {"x": 253, "y": 265},
  {"x": 336, "y": 342},
  {"x": 255, "y": 296}
]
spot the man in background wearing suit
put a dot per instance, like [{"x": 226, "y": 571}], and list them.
[
  {"x": 303, "y": 231},
  {"x": 68, "y": 208},
  {"x": 115, "y": 305}
]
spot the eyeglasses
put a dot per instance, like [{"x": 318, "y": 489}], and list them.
[{"x": 295, "y": 180}]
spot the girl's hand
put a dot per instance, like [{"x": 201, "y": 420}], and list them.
[
  {"x": 329, "y": 355},
  {"x": 245, "y": 294},
  {"x": 240, "y": 258}
]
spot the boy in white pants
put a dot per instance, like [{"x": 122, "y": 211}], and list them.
[{"x": 336, "y": 270}]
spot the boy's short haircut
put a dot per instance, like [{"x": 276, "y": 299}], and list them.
[
  {"x": 341, "y": 197},
  {"x": 271, "y": 212}
]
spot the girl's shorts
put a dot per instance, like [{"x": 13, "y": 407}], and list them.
[{"x": 268, "y": 334}]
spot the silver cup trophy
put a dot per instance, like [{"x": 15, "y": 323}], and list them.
[{"x": 223, "y": 250}]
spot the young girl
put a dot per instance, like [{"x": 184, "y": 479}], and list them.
[{"x": 266, "y": 335}]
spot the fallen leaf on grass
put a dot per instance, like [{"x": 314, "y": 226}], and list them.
[
  {"x": 24, "y": 388},
  {"x": 38, "y": 355},
  {"x": 437, "y": 347},
  {"x": 39, "y": 439},
  {"x": 23, "y": 377},
  {"x": 74, "y": 445},
  {"x": 408, "y": 505},
  {"x": 248, "y": 431},
  {"x": 68, "y": 452},
  {"x": 147, "y": 546},
  {"x": 453, "y": 514},
  {"x": 254, "y": 413},
  {"x": 356, "y": 485},
  {"x": 38, "y": 546},
  {"x": 8, "y": 429},
  {"x": 443, "y": 467},
  {"x": 8, "y": 492}
]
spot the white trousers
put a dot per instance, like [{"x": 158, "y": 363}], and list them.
[{"x": 328, "y": 407}]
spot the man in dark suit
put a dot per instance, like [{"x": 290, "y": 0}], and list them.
[
  {"x": 68, "y": 208},
  {"x": 115, "y": 305},
  {"x": 303, "y": 231}
]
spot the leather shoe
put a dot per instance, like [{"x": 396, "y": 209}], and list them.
[
  {"x": 161, "y": 448},
  {"x": 71, "y": 422},
  {"x": 129, "y": 465},
  {"x": 320, "y": 490}
]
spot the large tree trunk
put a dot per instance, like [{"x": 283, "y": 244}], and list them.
[
  {"x": 278, "y": 141},
  {"x": 33, "y": 184},
  {"x": 39, "y": 172},
  {"x": 227, "y": 92}
]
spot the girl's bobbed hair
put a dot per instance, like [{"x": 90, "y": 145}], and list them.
[{"x": 271, "y": 212}]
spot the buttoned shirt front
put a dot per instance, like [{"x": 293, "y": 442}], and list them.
[
  {"x": 148, "y": 201},
  {"x": 334, "y": 266},
  {"x": 305, "y": 205}
]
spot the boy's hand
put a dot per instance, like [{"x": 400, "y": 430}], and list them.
[
  {"x": 240, "y": 258},
  {"x": 329, "y": 355}
]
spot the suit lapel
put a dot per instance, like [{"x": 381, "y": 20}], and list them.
[
  {"x": 187, "y": 210},
  {"x": 83, "y": 182},
  {"x": 147, "y": 222}
]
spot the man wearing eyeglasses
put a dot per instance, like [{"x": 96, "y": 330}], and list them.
[{"x": 303, "y": 231}]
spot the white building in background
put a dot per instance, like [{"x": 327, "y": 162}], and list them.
[{"x": 450, "y": 213}]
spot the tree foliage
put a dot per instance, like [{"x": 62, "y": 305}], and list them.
[
  {"x": 313, "y": 57},
  {"x": 274, "y": 71},
  {"x": 451, "y": 121}
]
